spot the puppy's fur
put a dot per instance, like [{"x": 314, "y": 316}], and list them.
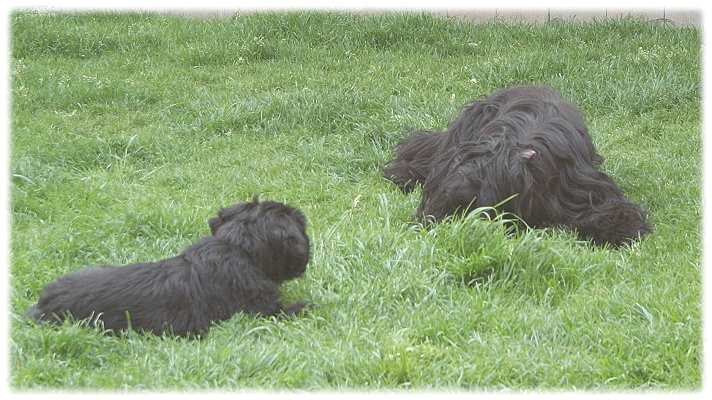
[
  {"x": 522, "y": 141},
  {"x": 253, "y": 248}
]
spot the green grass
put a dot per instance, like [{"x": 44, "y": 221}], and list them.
[{"x": 130, "y": 131}]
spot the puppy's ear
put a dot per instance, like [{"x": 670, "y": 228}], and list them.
[
  {"x": 234, "y": 233},
  {"x": 215, "y": 223}
]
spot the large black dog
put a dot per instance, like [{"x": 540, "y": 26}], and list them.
[
  {"x": 253, "y": 248},
  {"x": 522, "y": 141}
]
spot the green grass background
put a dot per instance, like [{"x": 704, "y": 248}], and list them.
[{"x": 130, "y": 131}]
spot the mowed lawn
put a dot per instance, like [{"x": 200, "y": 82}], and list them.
[{"x": 129, "y": 131}]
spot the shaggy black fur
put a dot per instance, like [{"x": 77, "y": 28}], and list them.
[
  {"x": 412, "y": 165},
  {"x": 253, "y": 248},
  {"x": 523, "y": 141}
]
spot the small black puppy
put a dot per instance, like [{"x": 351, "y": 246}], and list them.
[{"x": 253, "y": 248}]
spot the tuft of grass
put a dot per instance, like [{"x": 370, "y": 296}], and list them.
[
  {"x": 481, "y": 251},
  {"x": 130, "y": 130}
]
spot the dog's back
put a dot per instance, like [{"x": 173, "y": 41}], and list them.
[
  {"x": 115, "y": 294},
  {"x": 522, "y": 110}
]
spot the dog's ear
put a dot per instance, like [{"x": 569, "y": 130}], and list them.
[
  {"x": 214, "y": 223},
  {"x": 236, "y": 234}
]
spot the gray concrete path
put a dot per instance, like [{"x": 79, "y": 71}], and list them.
[
  {"x": 676, "y": 17},
  {"x": 665, "y": 16}
]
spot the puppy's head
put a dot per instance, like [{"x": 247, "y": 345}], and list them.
[{"x": 272, "y": 233}]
